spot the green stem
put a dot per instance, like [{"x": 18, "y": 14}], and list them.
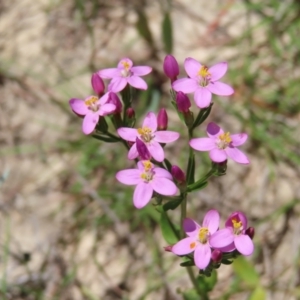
[{"x": 193, "y": 280}]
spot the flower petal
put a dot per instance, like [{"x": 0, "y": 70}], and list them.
[
  {"x": 164, "y": 186},
  {"x": 78, "y": 106},
  {"x": 190, "y": 227},
  {"x": 166, "y": 136},
  {"x": 127, "y": 134},
  {"x": 109, "y": 73},
  {"x": 231, "y": 247},
  {"x": 150, "y": 121},
  {"x": 238, "y": 139},
  {"x": 133, "y": 153},
  {"x": 221, "y": 238},
  {"x": 104, "y": 98},
  {"x": 185, "y": 246},
  {"x": 217, "y": 71},
  {"x": 192, "y": 67},
  {"x": 142, "y": 194},
  {"x": 211, "y": 221},
  {"x": 137, "y": 82},
  {"x": 106, "y": 109},
  {"x": 160, "y": 172},
  {"x": 117, "y": 84},
  {"x": 202, "y": 144},
  {"x": 213, "y": 130},
  {"x": 217, "y": 155},
  {"x": 244, "y": 244},
  {"x": 89, "y": 122},
  {"x": 237, "y": 155},
  {"x": 202, "y": 256},
  {"x": 220, "y": 88},
  {"x": 185, "y": 85},
  {"x": 156, "y": 151},
  {"x": 202, "y": 97},
  {"x": 141, "y": 70},
  {"x": 129, "y": 177}
]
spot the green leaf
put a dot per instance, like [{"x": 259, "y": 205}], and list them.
[
  {"x": 105, "y": 138},
  {"x": 143, "y": 27},
  {"x": 168, "y": 165},
  {"x": 188, "y": 263},
  {"x": 190, "y": 295},
  {"x": 258, "y": 294},
  {"x": 173, "y": 204},
  {"x": 168, "y": 230},
  {"x": 190, "y": 173},
  {"x": 180, "y": 115},
  {"x": 202, "y": 116},
  {"x": 167, "y": 33},
  {"x": 197, "y": 186},
  {"x": 246, "y": 271}
]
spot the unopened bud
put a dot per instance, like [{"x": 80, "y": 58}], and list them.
[
  {"x": 97, "y": 84},
  {"x": 114, "y": 99},
  {"x": 130, "y": 113},
  {"x": 216, "y": 256},
  {"x": 183, "y": 102},
  {"x": 178, "y": 174},
  {"x": 162, "y": 119},
  {"x": 168, "y": 248},
  {"x": 171, "y": 67},
  {"x": 250, "y": 232},
  {"x": 142, "y": 150},
  {"x": 220, "y": 167}
]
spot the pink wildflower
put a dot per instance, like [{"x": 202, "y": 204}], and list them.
[
  {"x": 150, "y": 136},
  {"x": 91, "y": 108},
  {"x": 125, "y": 73},
  {"x": 147, "y": 179},
  {"x": 221, "y": 145},
  {"x": 236, "y": 225},
  {"x": 203, "y": 82},
  {"x": 198, "y": 240}
]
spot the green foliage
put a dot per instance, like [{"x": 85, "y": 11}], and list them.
[{"x": 167, "y": 33}]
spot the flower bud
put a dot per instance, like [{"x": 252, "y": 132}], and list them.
[
  {"x": 216, "y": 255},
  {"x": 130, "y": 113},
  {"x": 178, "y": 174},
  {"x": 162, "y": 119},
  {"x": 183, "y": 102},
  {"x": 250, "y": 232},
  {"x": 168, "y": 248},
  {"x": 171, "y": 67},
  {"x": 97, "y": 84},
  {"x": 142, "y": 150},
  {"x": 220, "y": 168},
  {"x": 114, "y": 99}
]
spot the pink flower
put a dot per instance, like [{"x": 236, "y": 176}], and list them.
[
  {"x": 150, "y": 136},
  {"x": 203, "y": 82},
  {"x": 92, "y": 108},
  {"x": 199, "y": 239},
  {"x": 221, "y": 145},
  {"x": 236, "y": 226},
  {"x": 125, "y": 73},
  {"x": 147, "y": 179}
]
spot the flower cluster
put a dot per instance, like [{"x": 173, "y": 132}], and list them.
[{"x": 202, "y": 239}]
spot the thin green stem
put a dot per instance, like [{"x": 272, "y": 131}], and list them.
[{"x": 193, "y": 280}]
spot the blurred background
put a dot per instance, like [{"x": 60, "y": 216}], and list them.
[{"x": 68, "y": 229}]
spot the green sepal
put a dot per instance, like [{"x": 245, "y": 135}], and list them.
[
  {"x": 227, "y": 262},
  {"x": 168, "y": 165},
  {"x": 188, "y": 263}
]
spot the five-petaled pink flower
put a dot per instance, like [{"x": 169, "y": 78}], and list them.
[
  {"x": 147, "y": 179},
  {"x": 91, "y": 108},
  {"x": 236, "y": 226},
  {"x": 125, "y": 73},
  {"x": 200, "y": 239},
  {"x": 150, "y": 136},
  {"x": 203, "y": 82},
  {"x": 221, "y": 145}
]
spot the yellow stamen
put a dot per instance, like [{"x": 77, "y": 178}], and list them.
[
  {"x": 126, "y": 65},
  {"x": 147, "y": 165},
  {"x": 192, "y": 245},
  {"x": 146, "y": 134},
  {"x": 225, "y": 137},
  {"x": 236, "y": 224},
  {"x": 203, "y": 72},
  {"x": 202, "y": 235},
  {"x": 91, "y": 101}
]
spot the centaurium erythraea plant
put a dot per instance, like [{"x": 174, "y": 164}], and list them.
[
  {"x": 147, "y": 179},
  {"x": 150, "y": 136},
  {"x": 203, "y": 82},
  {"x": 124, "y": 74},
  {"x": 221, "y": 145}
]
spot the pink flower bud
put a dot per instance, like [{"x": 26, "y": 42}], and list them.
[
  {"x": 178, "y": 174},
  {"x": 250, "y": 232},
  {"x": 168, "y": 248},
  {"x": 142, "y": 150},
  {"x": 162, "y": 120},
  {"x": 183, "y": 102},
  {"x": 216, "y": 256},
  {"x": 171, "y": 67},
  {"x": 97, "y": 84},
  {"x": 114, "y": 99},
  {"x": 130, "y": 113}
]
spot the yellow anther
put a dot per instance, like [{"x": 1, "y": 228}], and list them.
[
  {"x": 125, "y": 64},
  {"x": 192, "y": 245},
  {"x": 203, "y": 72},
  {"x": 225, "y": 137},
  {"x": 146, "y": 134},
  {"x": 147, "y": 165},
  {"x": 91, "y": 101},
  {"x": 236, "y": 224},
  {"x": 202, "y": 235}
]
